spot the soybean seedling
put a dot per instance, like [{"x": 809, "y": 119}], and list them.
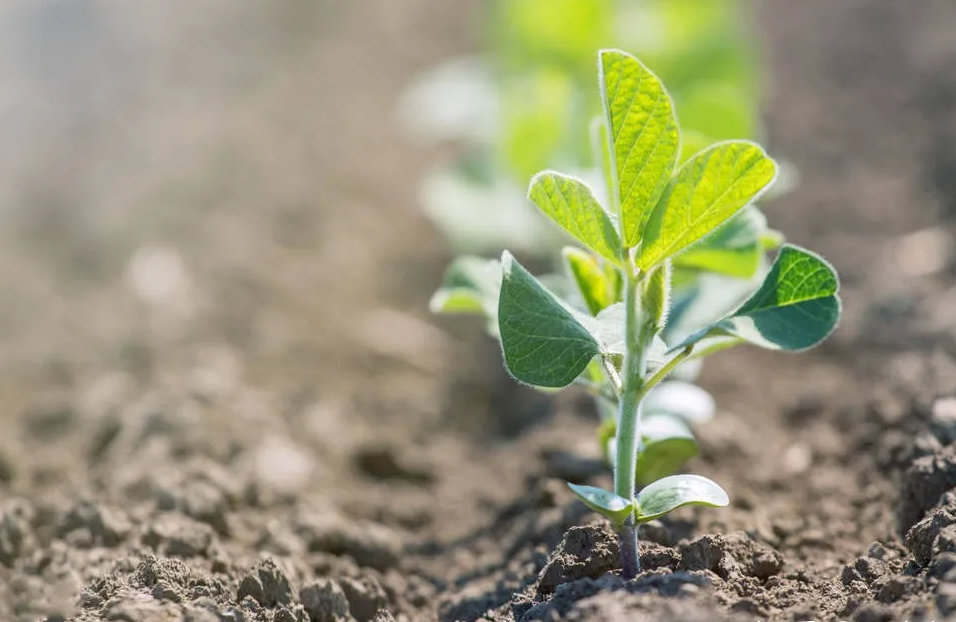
[{"x": 656, "y": 214}]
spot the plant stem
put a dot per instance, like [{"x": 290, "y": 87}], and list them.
[
  {"x": 665, "y": 370},
  {"x": 636, "y": 339}
]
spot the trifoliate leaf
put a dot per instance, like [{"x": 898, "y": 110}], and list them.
[
  {"x": 706, "y": 191},
  {"x": 613, "y": 507},
  {"x": 570, "y": 203},
  {"x": 644, "y": 138},
  {"x": 670, "y": 493}
]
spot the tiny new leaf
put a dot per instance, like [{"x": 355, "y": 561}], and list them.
[
  {"x": 706, "y": 191},
  {"x": 670, "y": 493},
  {"x": 613, "y": 507},
  {"x": 570, "y": 203},
  {"x": 795, "y": 308},
  {"x": 593, "y": 282},
  {"x": 644, "y": 138}
]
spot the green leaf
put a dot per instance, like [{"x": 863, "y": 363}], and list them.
[
  {"x": 545, "y": 343},
  {"x": 796, "y": 307},
  {"x": 667, "y": 443},
  {"x": 707, "y": 190},
  {"x": 644, "y": 137},
  {"x": 670, "y": 493},
  {"x": 735, "y": 249},
  {"x": 613, "y": 507},
  {"x": 591, "y": 279},
  {"x": 570, "y": 203}
]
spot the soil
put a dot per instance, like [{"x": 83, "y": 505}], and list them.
[{"x": 222, "y": 398}]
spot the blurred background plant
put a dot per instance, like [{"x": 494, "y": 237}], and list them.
[{"x": 526, "y": 103}]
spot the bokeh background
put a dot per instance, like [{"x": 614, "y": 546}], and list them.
[{"x": 214, "y": 254}]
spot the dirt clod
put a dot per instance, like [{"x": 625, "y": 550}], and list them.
[
  {"x": 366, "y": 596},
  {"x": 921, "y": 539},
  {"x": 175, "y": 534},
  {"x": 88, "y": 523},
  {"x": 266, "y": 584},
  {"x": 383, "y": 462},
  {"x": 731, "y": 556},
  {"x": 588, "y": 551},
  {"x": 16, "y": 531},
  {"x": 926, "y": 480},
  {"x": 324, "y": 601},
  {"x": 369, "y": 544}
]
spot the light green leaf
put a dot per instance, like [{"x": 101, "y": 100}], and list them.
[
  {"x": 707, "y": 190},
  {"x": 613, "y": 507},
  {"x": 591, "y": 279},
  {"x": 796, "y": 307},
  {"x": 571, "y": 205},
  {"x": 644, "y": 137},
  {"x": 670, "y": 493},
  {"x": 735, "y": 249},
  {"x": 667, "y": 443}
]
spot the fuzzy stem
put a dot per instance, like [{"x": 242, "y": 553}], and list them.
[{"x": 636, "y": 338}]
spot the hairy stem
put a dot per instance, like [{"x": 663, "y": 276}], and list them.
[{"x": 637, "y": 338}]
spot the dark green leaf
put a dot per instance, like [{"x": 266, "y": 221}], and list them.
[
  {"x": 670, "y": 493},
  {"x": 545, "y": 342},
  {"x": 796, "y": 308}
]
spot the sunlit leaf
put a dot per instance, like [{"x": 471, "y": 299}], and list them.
[
  {"x": 570, "y": 203},
  {"x": 670, "y": 493},
  {"x": 644, "y": 138},
  {"x": 591, "y": 279},
  {"x": 706, "y": 191}
]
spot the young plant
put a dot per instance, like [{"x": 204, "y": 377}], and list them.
[{"x": 662, "y": 222}]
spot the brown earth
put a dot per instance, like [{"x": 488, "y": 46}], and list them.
[{"x": 278, "y": 431}]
